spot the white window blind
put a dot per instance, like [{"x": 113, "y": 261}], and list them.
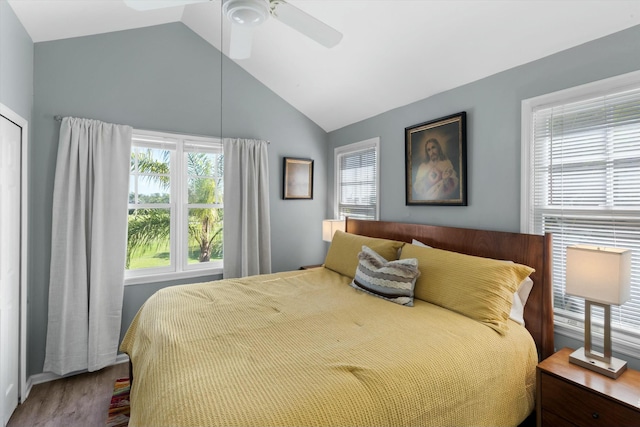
[
  {"x": 584, "y": 184},
  {"x": 357, "y": 180}
]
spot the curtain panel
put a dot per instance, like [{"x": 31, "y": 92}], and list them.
[
  {"x": 247, "y": 225},
  {"x": 88, "y": 245}
]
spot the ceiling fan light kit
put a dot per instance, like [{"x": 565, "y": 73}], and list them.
[{"x": 248, "y": 13}]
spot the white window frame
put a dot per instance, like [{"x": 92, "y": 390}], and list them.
[
  {"x": 179, "y": 267},
  {"x": 351, "y": 149},
  {"x": 571, "y": 325}
]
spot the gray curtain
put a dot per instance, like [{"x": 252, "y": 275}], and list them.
[
  {"x": 88, "y": 245},
  {"x": 247, "y": 228}
]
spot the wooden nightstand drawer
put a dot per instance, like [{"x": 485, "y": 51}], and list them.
[
  {"x": 583, "y": 407},
  {"x": 551, "y": 419}
]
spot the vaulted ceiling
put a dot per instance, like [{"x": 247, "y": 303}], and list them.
[{"x": 393, "y": 52}]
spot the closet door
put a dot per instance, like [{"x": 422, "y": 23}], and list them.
[{"x": 10, "y": 173}]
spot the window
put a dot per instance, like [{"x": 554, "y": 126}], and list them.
[
  {"x": 581, "y": 182},
  {"x": 175, "y": 207},
  {"x": 357, "y": 181}
]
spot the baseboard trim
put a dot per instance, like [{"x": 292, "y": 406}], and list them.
[
  {"x": 45, "y": 377},
  {"x": 27, "y": 390}
]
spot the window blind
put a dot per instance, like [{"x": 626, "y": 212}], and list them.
[
  {"x": 357, "y": 182},
  {"x": 585, "y": 186}
]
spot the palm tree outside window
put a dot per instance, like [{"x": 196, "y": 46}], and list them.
[{"x": 176, "y": 213}]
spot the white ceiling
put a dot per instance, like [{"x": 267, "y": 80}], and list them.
[{"x": 394, "y": 52}]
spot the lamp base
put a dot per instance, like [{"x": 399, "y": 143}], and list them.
[{"x": 612, "y": 369}]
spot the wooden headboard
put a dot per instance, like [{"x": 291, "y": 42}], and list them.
[{"x": 528, "y": 249}]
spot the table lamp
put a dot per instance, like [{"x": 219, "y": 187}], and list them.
[
  {"x": 602, "y": 276},
  {"x": 329, "y": 228}
]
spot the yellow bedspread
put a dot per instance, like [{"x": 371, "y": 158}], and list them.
[{"x": 303, "y": 348}]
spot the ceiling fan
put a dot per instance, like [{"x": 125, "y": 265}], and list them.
[{"x": 246, "y": 15}]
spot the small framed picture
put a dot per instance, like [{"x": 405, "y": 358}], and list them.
[
  {"x": 436, "y": 162},
  {"x": 298, "y": 178}
]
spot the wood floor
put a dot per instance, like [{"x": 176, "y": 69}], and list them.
[{"x": 77, "y": 401}]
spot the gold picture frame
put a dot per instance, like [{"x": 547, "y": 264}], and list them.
[{"x": 297, "y": 181}]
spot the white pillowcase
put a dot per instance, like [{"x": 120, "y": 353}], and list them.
[
  {"x": 419, "y": 243},
  {"x": 520, "y": 296}
]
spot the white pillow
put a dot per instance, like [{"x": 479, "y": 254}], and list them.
[
  {"x": 520, "y": 296},
  {"x": 419, "y": 243}
]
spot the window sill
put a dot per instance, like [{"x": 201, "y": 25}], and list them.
[
  {"x": 165, "y": 277},
  {"x": 623, "y": 343}
]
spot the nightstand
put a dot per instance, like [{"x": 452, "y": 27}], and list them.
[{"x": 569, "y": 395}]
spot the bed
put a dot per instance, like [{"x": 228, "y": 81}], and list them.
[{"x": 306, "y": 348}]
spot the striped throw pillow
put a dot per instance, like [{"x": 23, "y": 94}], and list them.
[{"x": 390, "y": 280}]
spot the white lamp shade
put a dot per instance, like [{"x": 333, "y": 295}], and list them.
[
  {"x": 599, "y": 274},
  {"x": 330, "y": 226}
]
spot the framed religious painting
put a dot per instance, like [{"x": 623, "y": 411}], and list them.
[
  {"x": 298, "y": 178},
  {"x": 436, "y": 162}
]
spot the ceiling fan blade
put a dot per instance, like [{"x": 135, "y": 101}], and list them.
[
  {"x": 158, "y": 4},
  {"x": 240, "y": 43},
  {"x": 306, "y": 24}
]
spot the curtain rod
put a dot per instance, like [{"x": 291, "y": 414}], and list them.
[{"x": 58, "y": 118}]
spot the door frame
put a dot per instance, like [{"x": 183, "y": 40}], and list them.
[{"x": 24, "y": 226}]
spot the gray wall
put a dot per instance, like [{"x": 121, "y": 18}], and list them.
[
  {"x": 493, "y": 126},
  {"x": 164, "y": 78},
  {"x": 493, "y": 134},
  {"x": 16, "y": 64}
]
